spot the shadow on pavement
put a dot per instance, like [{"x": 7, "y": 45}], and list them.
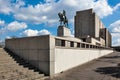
[
  {"x": 111, "y": 57},
  {"x": 112, "y": 71}
]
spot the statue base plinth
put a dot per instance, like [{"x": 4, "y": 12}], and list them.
[{"x": 63, "y": 31}]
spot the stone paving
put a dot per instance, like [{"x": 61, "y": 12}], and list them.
[
  {"x": 104, "y": 68},
  {"x": 11, "y": 70}
]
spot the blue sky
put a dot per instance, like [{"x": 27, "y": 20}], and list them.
[{"x": 19, "y": 18}]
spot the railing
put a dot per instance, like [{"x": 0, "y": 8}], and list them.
[{"x": 74, "y": 44}]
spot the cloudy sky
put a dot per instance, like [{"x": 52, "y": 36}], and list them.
[{"x": 20, "y": 18}]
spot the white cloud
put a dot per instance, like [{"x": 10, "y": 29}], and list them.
[
  {"x": 102, "y": 8},
  {"x": 19, "y": 3},
  {"x": 5, "y": 6},
  {"x": 1, "y": 41},
  {"x": 8, "y": 6},
  {"x": 116, "y": 40},
  {"x": 8, "y": 37},
  {"x": 72, "y": 35},
  {"x": 31, "y": 32},
  {"x": 47, "y": 12},
  {"x": 115, "y": 26},
  {"x": 2, "y": 23},
  {"x": 115, "y": 32},
  {"x": 3, "y": 30},
  {"x": 116, "y": 7},
  {"x": 44, "y": 32},
  {"x": 35, "y": 14},
  {"x": 115, "y": 35},
  {"x": 49, "y": 1},
  {"x": 14, "y": 26}
]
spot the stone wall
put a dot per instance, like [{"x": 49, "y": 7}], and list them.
[
  {"x": 35, "y": 50},
  {"x": 66, "y": 58},
  {"x": 55, "y": 54}
]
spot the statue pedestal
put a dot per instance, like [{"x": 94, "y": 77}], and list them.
[{"x": 63, "y": 31}]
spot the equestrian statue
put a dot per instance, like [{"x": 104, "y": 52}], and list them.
[{"x": 63, "y": 19}]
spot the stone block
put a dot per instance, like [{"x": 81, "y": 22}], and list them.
[{"x": 63, "y": 31}]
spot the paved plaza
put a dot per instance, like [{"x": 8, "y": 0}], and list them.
[{"x": 105, "y": 68}]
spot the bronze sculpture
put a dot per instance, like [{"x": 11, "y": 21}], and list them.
[{"x": 63, "y": 19}]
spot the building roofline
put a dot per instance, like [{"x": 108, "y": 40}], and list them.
[{"x": 91, "y": 9}]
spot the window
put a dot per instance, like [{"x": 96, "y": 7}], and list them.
[
  {"x": 84, "y": 40},
  {"x": 57, "y": 42},
  {"x": 71, "y": 44},
  {"x": 90, "y": 46},
  {"x": 62, "y": 42},
  {"x": 87, "y": 45},
  {"x": 83, "y": 45},
  {"x": 78, "y": 44}
]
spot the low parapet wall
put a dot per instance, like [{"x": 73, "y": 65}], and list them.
[
  {"x": 66, "y": 58},
  {"x": 55, "y": 54}
]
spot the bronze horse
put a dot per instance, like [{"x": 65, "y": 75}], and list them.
[{"x": 63, "y": 19}]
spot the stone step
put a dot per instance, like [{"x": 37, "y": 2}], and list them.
[
  {"x": 7, "y": 60},
  {"x": 43, "y": 78},
  {"x": 29, "y": 73},
  {"x": 13, "y": 70},
  {"x": 10, "y": 69},
  {"x": 6, "y": 57},
  {"x": 37, "y": 76},
  {"x": 9, "y": 75},
  {"x": 34, "y": 76},
  {"x": 5, "y": 63}
]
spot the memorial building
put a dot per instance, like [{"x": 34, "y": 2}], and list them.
[
  {"x": 90, "y": 28},
  {"x": 55, "y": 54}
]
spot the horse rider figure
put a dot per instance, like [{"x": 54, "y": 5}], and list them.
[{"x": 63, "y": 19}]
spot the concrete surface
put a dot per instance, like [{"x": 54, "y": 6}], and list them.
[
  {"x": 63, "y": 31},
  {"x": 11, "y": 70},
  {"x": 35, "y": 50},
  {"x": 52, "y": 54},
  {"x": 104, "y": 68},
  {"x": 66, "y": 58},
  {"x": 87, "y": 23}
]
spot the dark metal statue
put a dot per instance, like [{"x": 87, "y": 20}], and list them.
[{"x": 63, "y": 19}]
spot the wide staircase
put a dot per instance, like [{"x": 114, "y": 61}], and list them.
[{"x": 11, "y": 69}]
